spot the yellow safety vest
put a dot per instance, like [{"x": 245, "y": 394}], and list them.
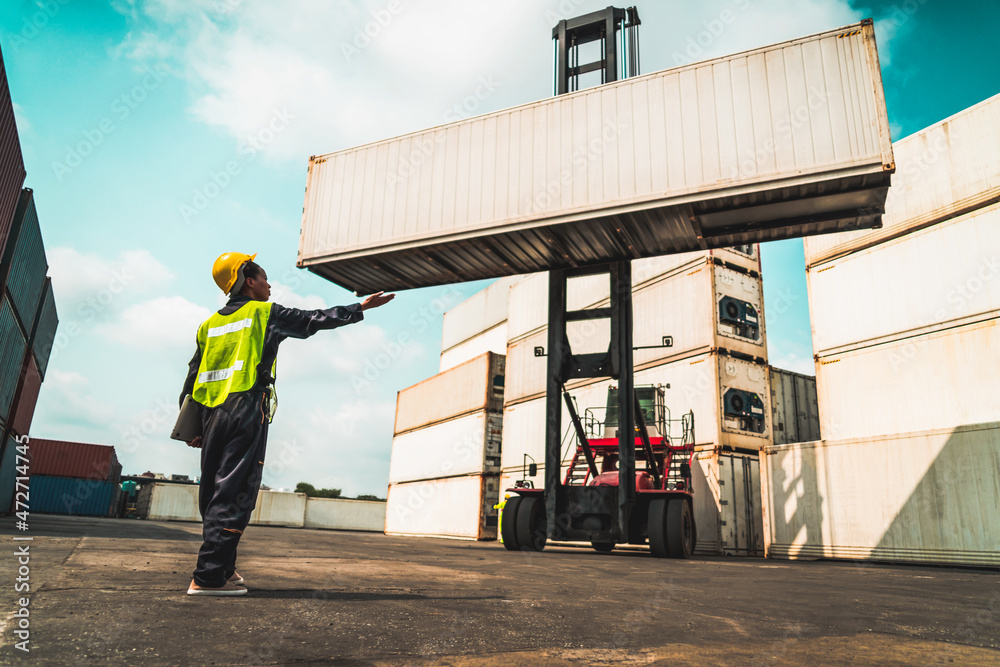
[{"x": 231, "y": 348}]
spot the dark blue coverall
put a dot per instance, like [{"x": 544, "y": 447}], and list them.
[{"x": 235, "y": 437}]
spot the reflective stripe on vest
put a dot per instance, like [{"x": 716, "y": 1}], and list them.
[{"x": 231, "y": 349}]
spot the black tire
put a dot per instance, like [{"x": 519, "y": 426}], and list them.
[
  {"x": 657, "y": 527},
  {"x": 680, "y": 528},
  {"x": 603, "y": 547},
  {"x": 508, "y": 526},
  {"x": 531, "y": 524}
]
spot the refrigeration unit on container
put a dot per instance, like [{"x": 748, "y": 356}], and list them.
[
  {"x": 24, "y": 264},
  {"x": 57, "y": 458},
  {"x": 475, "y": 386},
  {"x": 941, "y": 380},
  {"x": 11, "y": 161},
  {"x": 696, "y": 157},
  {"x": 696, "y": 308},
  {"x": 832, "y": 499},
  {"x": 12, "y": 347},
  {"x": 72, "y": 495},
  {"x": 794, "y": 407},
  {"x": 935, "y": 278},
  {"x": 455, "y": 507},
  {"x": 461, "y": 446},
  {"x": 947, "y": 169}
]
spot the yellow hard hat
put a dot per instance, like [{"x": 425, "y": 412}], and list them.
[{"x": 226, "y": 269}]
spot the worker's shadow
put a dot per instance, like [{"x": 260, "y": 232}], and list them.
[{"x": 349, "y": 596}]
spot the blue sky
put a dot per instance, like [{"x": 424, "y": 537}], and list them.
[{"x": 159, "y": 133}]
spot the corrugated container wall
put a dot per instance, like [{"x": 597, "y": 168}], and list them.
[
  {"x": 12, "y": 347},
  {"x": 693, "y": 157},
  {"x": 794, "y": 407},
  {"x": 494, "y": 340},
  {"x": 463, "y": 446},
  {"x": 833, "y": 499},
  {"x": 928, "y": 280},
  {"x": 45, "y": 332},
  {"x": 459, "y": 507},
  {"x": 944, "y": 170},
  {"x": 26, "y": 278},
  {"x": 11, "y": 161},
  {"x": 26, "y": 399},
  {"x": 74, "y": 459},
  {"x": 471, "y": 387},
  {"x": 70, "y": 495}
]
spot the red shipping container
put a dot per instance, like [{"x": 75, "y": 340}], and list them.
[
  {"x": 27, "y": 398},
  {"x": 73, "y": 459}
]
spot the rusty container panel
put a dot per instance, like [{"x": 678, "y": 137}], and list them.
[
  {"x": 779, "y": 142},
  {"x": 471, "y": 387},
  {"x": 12, "y": 347},
  {"x": 455, "y": 507},
  {"x": 11, "y": 161},
  {"x": 26, "y": 399},
  {"x": 58, "y": 458}
]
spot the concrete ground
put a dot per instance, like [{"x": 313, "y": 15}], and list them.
[{"x": 108, "y": 591}]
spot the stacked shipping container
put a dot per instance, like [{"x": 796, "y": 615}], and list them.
[
  {"x": 28, "y": 316},
  {"x": 443, "y": 472},
  {"x": 710, "y": 305},
  {"x": 73, "y": 477},
  {"x": 906, "y": 325}
]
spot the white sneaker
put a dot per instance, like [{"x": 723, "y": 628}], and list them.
[
  {"x": 229, "y": 589},
  {"x": 236, "y": 579}
]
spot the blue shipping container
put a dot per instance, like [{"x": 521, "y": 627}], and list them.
[
  {"x": 26, "y": 277},
  {"x": 7, "y": 475},
  {"x": 12, "y": 347},
  {"x": 69, "y": 495}
]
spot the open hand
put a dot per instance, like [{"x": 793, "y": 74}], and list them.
[
  {"x": 196, "y": 443},
  {"x": 376, "y": 300}
]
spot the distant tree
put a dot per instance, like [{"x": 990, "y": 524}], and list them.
[
  {"x": 367, "y": 496},
  {"x": 312, "y": 492}
]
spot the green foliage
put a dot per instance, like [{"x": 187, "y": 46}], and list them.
[
  {"x": 367, "y": 496},
  {"x": 313, "y": 492}
]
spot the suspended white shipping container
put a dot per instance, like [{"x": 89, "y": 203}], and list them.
[
  {"x": 481, "y": 312},
  {"x": 461, "y": 446},
  {"x": 940, "y": 380},
  {"x": 474, "y": 386},
  {"x": 794, "y": 407},
  {"x": 918, "y": 283},
  {"x": 493, "y": 340},
  {"x": 926, "y": 497},
  {"x": 944, "y": 170},
  {"x": 778, "y": 142},
  {"x": 457, "y": 507},
  {"x": 701, "y": 307}
]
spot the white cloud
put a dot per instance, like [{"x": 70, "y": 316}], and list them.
[
  {"x": 69, "y": 397},
  {"x": 790, "y": 361},
  {"x": 95, "y": 287},
  {"x": 163, "y": 322}
]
